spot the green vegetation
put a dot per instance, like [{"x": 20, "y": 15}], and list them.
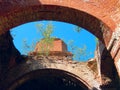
[
  {"x": 27, "y": 47},
  {"x": 78, "y": 29},
  {"x": 79, "y": 53},
  {"x": 47, "y": 41},
  {"x": 46, "y": 32},
  {"x": 96, "y": 40}
]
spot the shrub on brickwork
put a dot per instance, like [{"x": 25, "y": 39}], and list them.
[
  {"x": 46, "y": 42},
  {"x": 46, "y": 31}
]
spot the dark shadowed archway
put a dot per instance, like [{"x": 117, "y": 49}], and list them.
[{"x": 49, "y": 79}]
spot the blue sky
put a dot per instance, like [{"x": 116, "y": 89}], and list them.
[{"x": 64, "y": 31}]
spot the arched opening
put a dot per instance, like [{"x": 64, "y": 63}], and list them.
[
  {"x": 81, "y": 43},
  {"x": 49, "y": 79},
  {"x": 58, "y": 13},
  {"x": 67, "y": 13}
]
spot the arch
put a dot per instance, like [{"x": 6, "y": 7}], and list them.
[
  {"x": 51, "y": 73},
  {"x": 28, "y": 69},
  {"x": 75, "y": 12},
  {"x": 79, "y": 12}
]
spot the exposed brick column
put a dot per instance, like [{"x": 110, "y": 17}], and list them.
[
  {"x": 115, "y": 52},
  {"x": 110, "y": 59},
  {"x": 106, "y": 68}
]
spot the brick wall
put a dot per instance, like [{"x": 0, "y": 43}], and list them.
[{"x": 56, "y": 45}]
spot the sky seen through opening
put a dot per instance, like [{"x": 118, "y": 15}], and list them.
[{"x": 65, "y": 31}]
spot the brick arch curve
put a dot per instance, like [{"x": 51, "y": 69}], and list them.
[
  {"x": 32, "y": 69},
  {"x": 16, "y": 12},
  {"x": 49, "y": 73}
]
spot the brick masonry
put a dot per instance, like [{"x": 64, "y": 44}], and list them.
[
  {"x": 100, "y": 17},
  {"x": 77, "y": 68},
  {"x": 56, "y": 45}
]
